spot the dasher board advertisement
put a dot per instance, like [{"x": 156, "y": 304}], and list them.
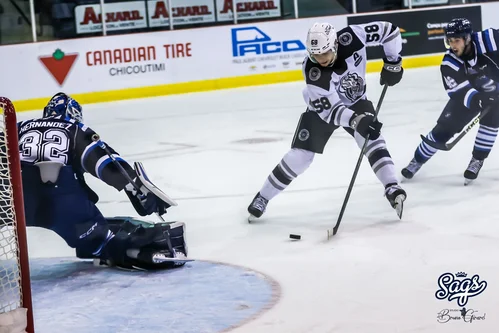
[
  {"x": 182, "y": 12},
  {"x": 118, "y": 16},
  {"x": 247, "y": 9},
  {"x": 133, "y": 14},
  {"x": 422, "y": 30}
]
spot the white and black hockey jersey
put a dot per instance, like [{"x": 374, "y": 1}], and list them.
[
  {"x": 459, "y": 75},
  {"x": 331, "y": 90}
]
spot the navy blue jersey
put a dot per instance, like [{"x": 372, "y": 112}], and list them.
[
  {"x": 460, "y": 75},
  {"x": 69, "y": 142}
]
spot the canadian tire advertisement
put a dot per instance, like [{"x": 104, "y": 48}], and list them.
[{"x": 422, "y": 30}]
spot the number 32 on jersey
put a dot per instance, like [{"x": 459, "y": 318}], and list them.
[{"x": 51, "y": 145}]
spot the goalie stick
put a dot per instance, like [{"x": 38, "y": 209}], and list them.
[
  {"x": 332, "y": 232},
  {"x": 449, "y": 145}
]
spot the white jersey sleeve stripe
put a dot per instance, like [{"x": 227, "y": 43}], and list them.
[
  {"x": 469, "y": 95},
  {"x": 481, "y": 44},
  {"x": 490, "y": 37},
  {"x": 455, "y": 57},
  {"x": 458, "y": 87}
]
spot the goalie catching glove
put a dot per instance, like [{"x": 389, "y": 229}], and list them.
[{"x": 145, "y": 197}]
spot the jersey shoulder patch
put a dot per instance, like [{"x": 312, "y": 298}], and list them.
[
  {"x": 348, "y": 42},
  {"x": 317, "y": 75}
]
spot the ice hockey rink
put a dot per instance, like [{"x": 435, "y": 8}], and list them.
[{"x": 212, "y": 152}]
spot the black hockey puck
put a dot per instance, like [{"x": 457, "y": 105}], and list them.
[{"x": 293, "y": 236}]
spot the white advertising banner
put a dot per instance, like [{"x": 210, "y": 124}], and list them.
[
  {"x": 183, "y": 12},
  {"x": 247, "y": 9},
  {"x": 96, "y": 64},
  {"x": 119, "y": 16}
]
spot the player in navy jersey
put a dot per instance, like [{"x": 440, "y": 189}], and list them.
[
  {"x": 56, "y": 151},
  {"x": 470, "y": 75}
]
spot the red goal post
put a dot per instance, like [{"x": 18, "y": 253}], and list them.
[{"x": 16, "y": 310}]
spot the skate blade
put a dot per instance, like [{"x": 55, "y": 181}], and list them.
[
  {"x": 468, "y": 181},
  {"x": 399, "y": 205},
  {"x": 159, "y": 258},
  {"x": 252, "y": 218}
]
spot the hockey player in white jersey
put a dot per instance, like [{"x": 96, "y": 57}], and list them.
[{"x": 335, "y": 94}]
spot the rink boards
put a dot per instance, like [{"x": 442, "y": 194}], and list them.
[{"x": 102, "y": 69}]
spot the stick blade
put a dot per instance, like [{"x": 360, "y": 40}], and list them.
[
  {"x": 331, "y": 233},
  {"x": 436, "y": 145}
]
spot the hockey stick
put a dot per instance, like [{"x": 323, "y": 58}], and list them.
[
  {"x": 450, "y": 145},
  {"x": 97, "y": 140},
  {"x": 333, "y": 232}
]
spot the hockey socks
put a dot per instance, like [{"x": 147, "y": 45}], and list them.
[{"x": 294, "y": 163}]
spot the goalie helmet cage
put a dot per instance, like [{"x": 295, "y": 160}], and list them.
[{"x": 16, "y": 310}]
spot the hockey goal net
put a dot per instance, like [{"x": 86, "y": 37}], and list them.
[{"x": 15, "y": 292}]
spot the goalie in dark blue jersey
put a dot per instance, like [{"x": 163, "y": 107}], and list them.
[
  {"x": 56, "y": 150},
  {"x": 470, "y": 75}
]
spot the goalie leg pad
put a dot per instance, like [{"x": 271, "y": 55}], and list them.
[{"x": 136, "y": 243}]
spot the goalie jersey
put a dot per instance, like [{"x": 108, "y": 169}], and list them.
[
  {"x": 460, "y": 76},
  {"x": 331, "y": 90},
  {"x": 64, "y": 140}
]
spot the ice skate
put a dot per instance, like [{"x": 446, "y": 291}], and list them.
[
  {"x": 410, "y": 170},
  {"x": 396, "y": 196},
  {"x": 472, "y": 171},
  {"x": 257, "y": 207}
]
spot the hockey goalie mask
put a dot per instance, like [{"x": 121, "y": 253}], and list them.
[
  {"x": 63, "y": 105},
  {"x": 322, "y": 44},
  {"x": 74, "y": 110}
]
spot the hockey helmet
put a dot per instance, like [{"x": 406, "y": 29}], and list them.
[
  {"x": 63, "y": 105},
  {"x": 321, "y": 39},
  {"x": 458, "y": 28}
]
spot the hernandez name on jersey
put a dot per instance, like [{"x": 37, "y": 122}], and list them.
[
  {"x": 331, "y": 89},
  {"x": 68, "y": 142}
]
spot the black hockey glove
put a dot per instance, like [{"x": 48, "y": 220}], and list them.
[
  {"x": 488, "y": 94},
  {"x": 391, "y": 74},
  {"x": 145, "y": 202},
  {"x": 485, "y": 100},
  {"x": 485, "y": 84},
  {"x": 365, "y": 124}
]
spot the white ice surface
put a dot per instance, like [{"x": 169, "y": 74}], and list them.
[{"x": 378, "y": 274}]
